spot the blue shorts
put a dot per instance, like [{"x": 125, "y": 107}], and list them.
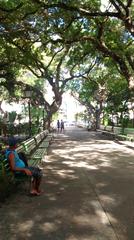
[{"x": 36, "y": 172}]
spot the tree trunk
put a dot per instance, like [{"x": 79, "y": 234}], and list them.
[{"x": 97, "y": 119}]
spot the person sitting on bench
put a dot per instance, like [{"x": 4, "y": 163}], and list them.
[{"x": 18, "y": 166}]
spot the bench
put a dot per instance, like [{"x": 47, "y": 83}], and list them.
[
  {"x": 44, "y": 134},
  {"x": 118, "y": 133},
  {"x": 130, "y": 137},
  {"x": 42, "y": 148},
  {"x": 38, "y": 138},
  {"x": 129, "y": 134},
  {"x": 35, "y": 148},
  {"x": 126, "y": 134},
  {"x": 107, "y": 133},
  {"x": 46, "y": 142},
  {"x": 41, "y": 136},
  {"x": 9, "y": 178},
  {"x": 5, "y": 170}
]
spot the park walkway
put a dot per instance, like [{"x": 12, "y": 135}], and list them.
[{"x": 88, "y": 193}]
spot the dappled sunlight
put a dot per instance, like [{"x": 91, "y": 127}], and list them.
[
  {"x": 109, "y": 200},
  {"x": 67, "y": 156},
  {"x": 46, "y": 160},
  {"x": 83, "y": 184},
  {"x": 81, "y": 147},
  {"x": 105, "y": 164},
  {"x": 52, "y": 182},
  {"x": 72, "y": 237},
  {"x": 80, "y": 164},
  {"x": 25, "y": 226},
  {"x": 76, "y": 226},
  {"x": 49, "y": 227},
  {"x": 84, "y": 220},
  {"x": 99, "y": 212},
  {"x": 51, "y": 197},
  {"x": 101, "y": 185},
  {"x": 66, "y": 174},
  {"x": 95, "y": 155},
  {"x": 63, "y": 173}
]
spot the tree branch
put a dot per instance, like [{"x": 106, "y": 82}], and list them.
[
  {"x": 129, "y": 3},
  {"x": 11, "y": 9},
  {"x": 115, "y": 5},
  {"x": 60, "y": 50},
  {"x": 59, "y": 65}
]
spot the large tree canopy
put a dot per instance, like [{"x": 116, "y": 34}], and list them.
[{"x": 62, "y": 40}]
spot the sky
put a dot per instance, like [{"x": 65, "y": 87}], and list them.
[
  {"x": 70, "y": 106},
  {"x": 11, "y": 107},
  {"x": 104, "y": 3}
]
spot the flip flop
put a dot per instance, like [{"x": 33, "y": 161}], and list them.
[
  {"x": 34, "y": 193},
  {"x": 40, "y": 191}
]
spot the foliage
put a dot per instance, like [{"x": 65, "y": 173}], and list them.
[
  {"x": 61, "y": 41},
  {"x": 12, "y": 116}
]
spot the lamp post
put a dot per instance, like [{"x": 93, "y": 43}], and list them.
[
  {"x": 43, "y": 118},
  {"x": 96, "y": 116},
  {"x": 28, "y": 94}
]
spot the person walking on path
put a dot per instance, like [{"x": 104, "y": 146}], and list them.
[
  {"x": 58, "y": 125},
  {"x": 62, "y": 126}
]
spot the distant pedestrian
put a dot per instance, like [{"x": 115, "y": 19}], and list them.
[
  {"x": 62, "y": 125},
  {"x": 58, "y": 125}
]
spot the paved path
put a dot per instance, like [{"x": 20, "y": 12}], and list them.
[{"x": 89, "y": 193}]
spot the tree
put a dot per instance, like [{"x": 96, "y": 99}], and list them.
[
  {"x": 68, "y": 33},
  {"x": 102, "y": 85},
  {"x": 87, "y": 25}
]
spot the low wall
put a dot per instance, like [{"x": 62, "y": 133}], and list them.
[{"x": 117, "y": 130}]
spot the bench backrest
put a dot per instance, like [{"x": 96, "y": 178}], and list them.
[
  {"x": 45, "y": 133},
  {"x": 117, "y": 130},
  {"x": 129, "y": 131},
  {"x": 20, "y": 148},
  {"x": 48, "y": 138},
  {"x": 5, "y": 170},
  {"x": 42, "y": 135},
  {"x": 38, "y": 139},
  {"x": 8, "y": 175},
  {"x": 6, "y": 165},
  {"x": 29, "y": 146}
]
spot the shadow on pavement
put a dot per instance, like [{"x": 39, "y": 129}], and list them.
[{"x": 88, "y": 184}]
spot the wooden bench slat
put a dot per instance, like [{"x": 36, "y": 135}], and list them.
[
  {"x": 8, "y": 175},
  {"x": 39, "y": 153},
  {"x": 44, "y": 144},
  {"x": 35, "y": 148}
]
